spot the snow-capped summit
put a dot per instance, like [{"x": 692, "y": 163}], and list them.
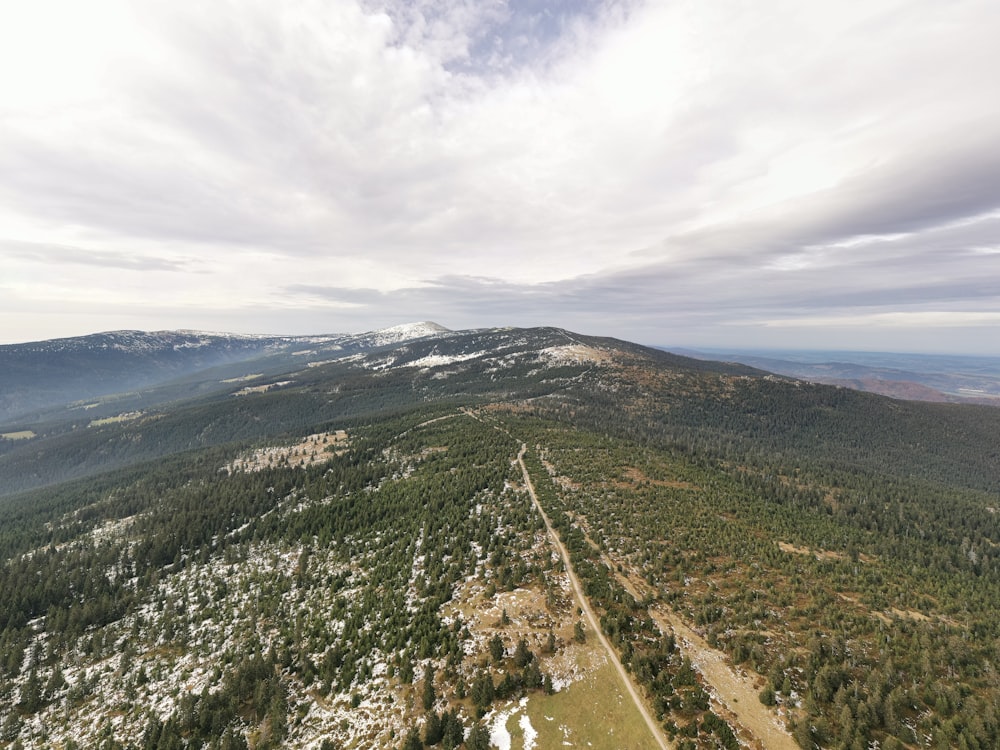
[{"x": 403, "y": 332}]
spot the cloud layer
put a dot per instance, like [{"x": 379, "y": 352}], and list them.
[{"x": 778, "y": 175}]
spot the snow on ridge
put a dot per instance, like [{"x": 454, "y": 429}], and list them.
[
  {"x": 129, "y": 340},
  {"x": 403, "y": 332},
  {"x": 436, "y": 360},
  {"x": 575, "y": 353},
  {"x": 422, "y": 327}
]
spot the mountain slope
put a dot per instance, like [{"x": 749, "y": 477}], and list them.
[
  {"x": 600, "y": 383},
  {"x": 39, "y": 376},
  {"x": 338, "y": 378},
  {"x": 343, "y": 551}
]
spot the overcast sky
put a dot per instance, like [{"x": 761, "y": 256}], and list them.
[{"x": 774, "y": 174}]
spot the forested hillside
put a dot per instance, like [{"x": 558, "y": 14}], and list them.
[
  {"x": 44, "y": 380},
  {"x": 347, "y": 553}
]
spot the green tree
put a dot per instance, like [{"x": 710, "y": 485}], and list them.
[
  {"x": 433, "y": 731},
  {"x": 478, "y": 739},
  {"x": 522, "y": 654},
  {"x": 496, "y": 648},
  {"x": 483, "y": 691},
  {"x": 31, "y": 693},
  {"x": 452, "y": 730},
  {"x": 413, "y": 741},
  {"x": 429, "y": 694}
]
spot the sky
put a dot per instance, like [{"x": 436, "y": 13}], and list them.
[{"x": 775, "y": 174}]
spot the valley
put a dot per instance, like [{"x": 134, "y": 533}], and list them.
[{"x": 939, "y": 378}]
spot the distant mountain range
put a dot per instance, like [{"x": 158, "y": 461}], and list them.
[
  {"x": 918, "y": 377},
  {"x": 36, "y": 377},
  {"x": 104, "y": 372}
]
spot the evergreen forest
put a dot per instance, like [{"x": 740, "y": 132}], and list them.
[{"x": 356, "y": 553}]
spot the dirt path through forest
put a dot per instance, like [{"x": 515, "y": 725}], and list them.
[
  {"x": 595, "y": 626},
  {"x": 734, "y": 693},
  {"x": 737, "y": 693}
]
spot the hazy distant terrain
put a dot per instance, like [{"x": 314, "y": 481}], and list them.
[
  {"x": 922, "y": 377},
  {"x": 82, "y": 372}
]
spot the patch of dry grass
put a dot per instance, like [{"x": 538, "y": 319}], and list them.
[
  {"x": 126, "y": 417},
  {"x": 20, "y": 435},
  {"x": 313, "y": 449},
  {"x": 593, "y": 712}
]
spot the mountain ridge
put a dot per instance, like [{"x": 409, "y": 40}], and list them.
[
  {"x": 37, "y": 376},
  {"x": 728, "y": 404}
]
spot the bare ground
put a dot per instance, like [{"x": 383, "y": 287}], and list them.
[{"x": 736, "y": 692}]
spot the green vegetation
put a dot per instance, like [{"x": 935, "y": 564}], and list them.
[
  {"x": 869, "y": 604},
  {"x": 842, "y": 546},
  {"x": 330, "y": 576},
  {"x": 569, "y": 716}
]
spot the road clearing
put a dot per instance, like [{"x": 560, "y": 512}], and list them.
[{"x": 592, "y": 620}]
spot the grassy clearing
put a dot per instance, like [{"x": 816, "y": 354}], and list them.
[
  {"x": 21, "y": 435},
  {"x": 243, "y": 378},
  {"x": 593, "y": 713},
  {"x": 126, "y": 417},
  {"x": 316, "y": 448}
]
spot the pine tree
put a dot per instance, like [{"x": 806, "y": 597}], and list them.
[
  {"x": 433, "y": 731},
  {"x": 452, "y": 730},
  {"x": 482, "y": 691},
  {"x": 522, "y": 654},
  {"x": 233, "y": 739},
  {"x": 413, "y": 741},
  {"x": 478, "y": 739},
  {"x": 496, "y": 648},
  {"x": 31, "y": 693},
  {"x": 429, "y": 695}
]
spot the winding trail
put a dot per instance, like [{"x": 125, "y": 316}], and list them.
[{"x": 584, "y": 604}]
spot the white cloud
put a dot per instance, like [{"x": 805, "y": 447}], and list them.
[{"x": 666, "y": 161}]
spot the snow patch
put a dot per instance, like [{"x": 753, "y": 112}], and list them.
[
  {"x": 530, "y": 733},
  {"x": 499, "y": 735},
  {"x": 436, "y": 360},
  {"x": 573, "y": 354},
  {"x": 404, "y": 332}
]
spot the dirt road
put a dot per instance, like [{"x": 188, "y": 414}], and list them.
[
  {"x": 592, "y": 620},
  {"x": 736, "y": 693},
  {"x": 733, "y": 693}
]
